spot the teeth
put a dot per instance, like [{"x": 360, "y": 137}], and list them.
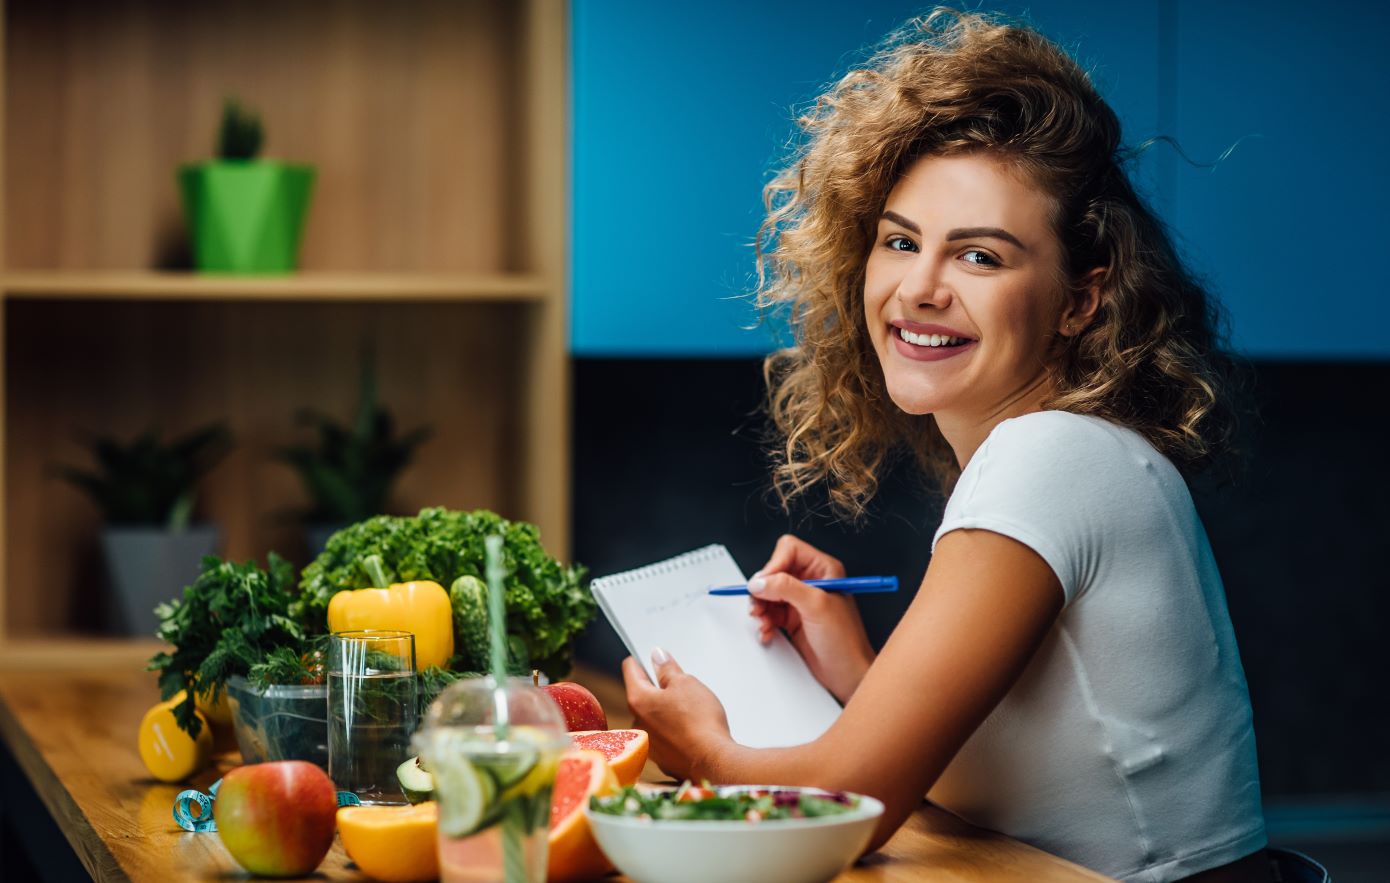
[{"x": 929, "y": 339}]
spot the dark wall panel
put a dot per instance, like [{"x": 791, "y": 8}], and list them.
[{"x": 668, "y": 458}]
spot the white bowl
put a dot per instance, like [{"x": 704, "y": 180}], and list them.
[{"x": 809, "y": 850}]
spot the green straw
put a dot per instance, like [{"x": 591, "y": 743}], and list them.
[
  {"x": 513, "y": 833},
  {"x": 497, "y": 630}
]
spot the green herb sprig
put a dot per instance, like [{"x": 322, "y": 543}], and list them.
[{"x": 233, "y": 617}]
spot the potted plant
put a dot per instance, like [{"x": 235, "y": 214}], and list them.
[
  {"x": 245, "y": 215},
  {"x": 147, "y": 491},
  {"x": 349, "y": 470}
]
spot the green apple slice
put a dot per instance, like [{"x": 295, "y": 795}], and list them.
[{"x": 416, "y": 783}]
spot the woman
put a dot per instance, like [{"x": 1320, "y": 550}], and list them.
[{"x": 972, "y": 278}]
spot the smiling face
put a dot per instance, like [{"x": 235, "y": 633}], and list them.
[{"x": 962, "y": 292}]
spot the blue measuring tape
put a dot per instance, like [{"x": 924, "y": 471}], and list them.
[{"x": 193, "y": 809}]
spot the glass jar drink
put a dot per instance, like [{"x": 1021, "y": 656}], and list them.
[{"x": 493, "y": 756}]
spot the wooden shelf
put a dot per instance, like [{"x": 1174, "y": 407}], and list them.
[
  {"x": 308, "y": 286},
  {"x": 437, "y": 131}
]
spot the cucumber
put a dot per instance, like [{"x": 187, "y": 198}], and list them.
[
  {"x": 510, "y": 768},
  {"x": 416, "y": 783}
]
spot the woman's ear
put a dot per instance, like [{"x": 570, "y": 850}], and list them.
[{"x": 1082, "y": 303}]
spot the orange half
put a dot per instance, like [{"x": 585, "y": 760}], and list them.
[{"x": 395, "y": 844}]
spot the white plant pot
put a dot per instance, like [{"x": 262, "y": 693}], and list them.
[{"x": 151, "y": 565}]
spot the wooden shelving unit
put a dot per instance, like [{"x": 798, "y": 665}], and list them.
[
  {"x": 437, "y": 236},
  {"x": 308, "y": 286}
]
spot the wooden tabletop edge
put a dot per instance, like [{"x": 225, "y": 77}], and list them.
[{"x": 84, "y": 839}]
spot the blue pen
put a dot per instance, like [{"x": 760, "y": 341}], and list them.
[{"x": 850, "y": 585}]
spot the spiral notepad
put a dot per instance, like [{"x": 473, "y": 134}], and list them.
[{"x": 769, "y": 694}]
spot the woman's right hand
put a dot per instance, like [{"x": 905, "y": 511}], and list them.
[{"x": 824, "y": 627}]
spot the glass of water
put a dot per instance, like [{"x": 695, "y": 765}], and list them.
[{"x": 372, "y": 711}]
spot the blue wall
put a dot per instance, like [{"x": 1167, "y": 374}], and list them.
[{"x": 681, "y": 112}]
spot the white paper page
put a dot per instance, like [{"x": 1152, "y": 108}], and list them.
[{"x": 771, "y": 697}]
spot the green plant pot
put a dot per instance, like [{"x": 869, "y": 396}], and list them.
[{"x": 246, "y": 217}]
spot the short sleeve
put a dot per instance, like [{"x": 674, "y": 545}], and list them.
[{"x": 1042, "y": 479}]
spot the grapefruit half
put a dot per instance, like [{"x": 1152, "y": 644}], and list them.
[
  {"x": 626, "y": 750},
  {"x": 574, "y": 855}
]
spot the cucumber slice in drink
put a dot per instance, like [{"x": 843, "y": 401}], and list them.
[
  {"x": 416, "y": 784},
  {"x": 465, "y": 795},
  {"x": 542, "y": 775},
  {"x": 510, "y": 766}
]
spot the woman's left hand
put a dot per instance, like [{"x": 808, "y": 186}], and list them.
[{"x": 684, "y": 720}]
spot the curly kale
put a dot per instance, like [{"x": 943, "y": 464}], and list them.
[{"x": 547, "y": 603}]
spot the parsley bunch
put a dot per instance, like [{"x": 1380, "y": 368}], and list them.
[{"x": 227, "y": 622}]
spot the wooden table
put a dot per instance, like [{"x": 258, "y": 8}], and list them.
[{"x": 71, "y": 731}]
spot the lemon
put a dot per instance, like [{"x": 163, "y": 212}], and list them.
[
  {"x": 169, "y": 753},
  {"x": 218, "y": 710}
]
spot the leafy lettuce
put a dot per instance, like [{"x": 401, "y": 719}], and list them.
[{"x": 547, "y": 603}]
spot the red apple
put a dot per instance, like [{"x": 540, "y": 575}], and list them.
[
  {"x": 277, "y": 819},
  {"x": 582, "y": 711}
]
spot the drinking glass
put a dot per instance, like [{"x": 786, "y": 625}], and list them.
[
  {"x": 493, "y": 755},
  {"x": 372, "y": 711}
]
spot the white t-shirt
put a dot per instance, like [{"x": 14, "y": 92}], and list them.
[{"x": 1126, "y": 746}]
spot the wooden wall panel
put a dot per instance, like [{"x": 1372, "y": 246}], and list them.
[
  {"x": 121, "y": 367},
  {"x": 406, "y": 109}
]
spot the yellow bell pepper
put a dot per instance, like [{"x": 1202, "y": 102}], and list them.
[{"x": 421, "y": 608}]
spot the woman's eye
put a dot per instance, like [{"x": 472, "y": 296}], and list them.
[
  {"x": 900, "y": 243},
  {"x": 980, "y": 259}
]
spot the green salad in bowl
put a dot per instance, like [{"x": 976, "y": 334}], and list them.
[
  {"x": 690, "y": 803},
  {"x": 698, "y": 833}
]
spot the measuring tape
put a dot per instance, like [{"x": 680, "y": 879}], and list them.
[{"x": 193, "y": 809}]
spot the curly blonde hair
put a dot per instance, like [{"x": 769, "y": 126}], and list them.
[{"x": 953, "y": 83}]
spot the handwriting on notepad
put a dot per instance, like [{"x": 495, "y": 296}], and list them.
[
  {"x": 770, "y": 697},
  {"x": 677, "y": 602}
]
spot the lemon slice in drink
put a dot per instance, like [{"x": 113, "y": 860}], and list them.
[{"x": 465, "y": 795}]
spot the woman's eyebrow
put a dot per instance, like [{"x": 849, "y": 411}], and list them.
[
  {"x": 959, "y": 232},
  {"x": 994, "y": 232},
  {"x": 902, "y": 222}
]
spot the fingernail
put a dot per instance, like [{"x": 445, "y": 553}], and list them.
[
  {"x": 757, "y": 574},
  {"x": 756, "y": 584},
  {"x": 659, "y": 656}
]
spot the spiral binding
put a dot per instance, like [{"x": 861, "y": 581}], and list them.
[{"x": 661, "y": 568}]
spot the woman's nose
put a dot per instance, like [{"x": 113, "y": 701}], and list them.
[{"x": 922, "y": 287}]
